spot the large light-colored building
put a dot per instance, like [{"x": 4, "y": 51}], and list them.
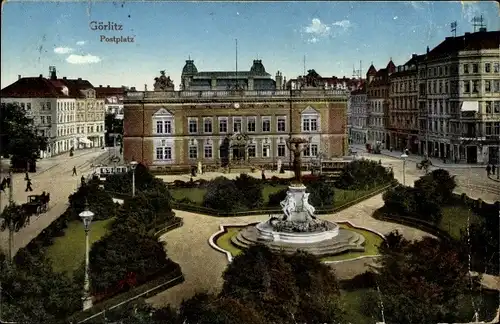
[
  {"x": 177, "y": 129},
  {"x": 113, "y": 99},
  {"x": 56, "y": 107},
  {"x": 358, "y": 116},
  {"x": 402, "y": 125},
  {"x": 378, "y": 84},
  {"x": 459, "y": 98}
]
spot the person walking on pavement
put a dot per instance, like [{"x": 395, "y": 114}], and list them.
[
  {"x": 488, "y": 170},
  {"x": 493, "y": 169},
  {"x": 28, "y": 185},
  {"x": 74, "y": 171}
]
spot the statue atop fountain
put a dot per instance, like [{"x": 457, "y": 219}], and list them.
[{"x": 297, "y": 146}]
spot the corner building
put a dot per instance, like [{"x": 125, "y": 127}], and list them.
[{"x": 171, "y": 130}]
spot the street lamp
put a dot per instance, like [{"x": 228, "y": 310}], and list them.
[
  {"x": 133, "y": 165},
  {"x": 404, "y": 157},
  {"x": 86, "y": 216}
]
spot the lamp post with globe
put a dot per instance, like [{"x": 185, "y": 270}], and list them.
[
  {"x": 87, "y": 216},
  {"x": 404, "y": 156},
  {"x": 133, "y": 165}
]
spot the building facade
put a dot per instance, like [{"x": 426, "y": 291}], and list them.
[
  {"x": 113, "y": 99},
  {"x": 377, "y": 89},
  {"x": 177, "y": 129},
  {"x": 358, "y": 116},
  {"x": 403, "y": 106},
  {"x": 459, "y": 98}
]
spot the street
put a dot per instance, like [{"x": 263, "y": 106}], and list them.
[{"x": 55, "y": 177}]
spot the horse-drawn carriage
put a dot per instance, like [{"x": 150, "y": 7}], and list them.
[
  {"x": 424, "y": 165},
  {"x": 36, "y": 204}
]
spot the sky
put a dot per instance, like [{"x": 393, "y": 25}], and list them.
[{"x": 334, "y": 37}]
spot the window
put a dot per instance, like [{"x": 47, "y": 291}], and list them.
[
  {"x": 475, "y": 68},
  {"x": 487, "y": 67},
  {"x": 222, "y": 125},
  {"x": 43, "y": 119},
  {"x": 266, "y": 124},
  {"x": 208, "y": 152},
  {"x": 193, "y": 152},
  {"x": 237, "y": 124},
  {"x": 487, "y": 105},
  {"x": 251, "y": 124},
  {"x": 193, "y": 126},
  {"x": 310, "y": 124},
  {"x": 281, "y": 126},
  {"x": 164, "y": 153},
  {"x": 266, "y": 149},
  {"x": 487, "y": 86},
  {"x": 48, "y": 105},
  {"x": 466, "y": 68},
  {"x": 496, "y": 67},
  {"x": 159, "y": 127},
  {"x": 497, "y": 128},
  {"x": 49, "y": 120},
  {"x": 496, "y": 85},
  {"x": 251, "y": 151},
  {"x": 466, "y": 86},
  {"x": 207, "y": 125},
  {"x": 311, "y": 150},
  {"x": 475, "y": 86},
  {"x": 496, "y": 107},
  {"x": 281, "y": 150}
]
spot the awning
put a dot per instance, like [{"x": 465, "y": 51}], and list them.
[
  {"x": 84, "y": 140},
  {"x": 470, "y": 106}
]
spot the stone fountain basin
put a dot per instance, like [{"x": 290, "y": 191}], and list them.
[{"x": 267, "y": 233}]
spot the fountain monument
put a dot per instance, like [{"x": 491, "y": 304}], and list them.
[{"x": 298, "y": 228}]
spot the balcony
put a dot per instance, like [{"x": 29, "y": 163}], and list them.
[{"x": 228, "y": 94}]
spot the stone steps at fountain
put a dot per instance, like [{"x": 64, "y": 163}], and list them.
[{"x": 344, "y": 242}]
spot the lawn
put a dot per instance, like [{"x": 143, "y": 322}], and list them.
[
  {"x": 372, "y": 241},
  {"x": 68, "y": 251},
  {"x": 341, "y": 197},
  {"x": 455, "y": 219},
  {"x": 353, "y": 303}
]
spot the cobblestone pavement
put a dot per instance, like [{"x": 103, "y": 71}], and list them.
[{"x": 55, "y": 179}]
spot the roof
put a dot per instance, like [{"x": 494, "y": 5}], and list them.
[
  {"x": 384, "y": 80},
  {"x": 360, "y": 91},
  {"x": 103, "y": 92},
  {"x": 468, "y": 42},
  {"x": 256, "y": 70},
  {"x": 371, "y": 70},
  {"x": 414, "y": 61},
  {"x": 32, "y": 88},
  {"x": 75, "y": 86}
]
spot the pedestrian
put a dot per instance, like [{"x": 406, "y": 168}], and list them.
[
  {"x": 27, "y": 176},
  {"x": 493, "y": 169},
  {"x": 28, "y": 185},
  {"x": 488, "y": 170},
  {"x": 83, "y": 180},
  {"x": 74, "y": 171},
  {"x": 8, "y": 182},
  {"x": 3, "y": 185},
  {"x": 263, "y": 174}
]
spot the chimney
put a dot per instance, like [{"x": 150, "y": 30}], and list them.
[
  {"x": 100, "y": 86},
  {"x": 108, "y": 85},
  {"x": 467, "y": 33},
  {"x": 79, "y": 79},
  {"x": 52, "y": 73},
  {"x": 483, "y": 30},
  {"x": 132, "y": 89},
  {"x": 18, "y": 76},
  {"x": 64, "y": 78},
  {"x": 413, "y": 56},
  {"x": 40, "y": 76},
  {"x": 428, "y": 50}
]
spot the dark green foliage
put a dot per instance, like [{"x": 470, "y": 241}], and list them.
[
  {"x": 277, "y": 197},
  {"x": 99, "y": 201},
  {"x": 283, "y": 289},
  {"x": 119, "y": 254},
  {"x": 322, "y": 193},
  {"x": 363, "y": 174},
  {"x": 144, "y": 181},
  {"x": 250, "y": 189},
  {"x": 437, "y": 185},
  {"x": 420, "y": 281},
  {"x": 222, "y": 194},
  {"x": 32, "y": 292},
  {"x": 401, "y": 200},
  {"x": 20, "y": 139}
]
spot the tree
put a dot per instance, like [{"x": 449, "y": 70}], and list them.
[
  {"x": 13, "y": 219},
  {"x": 322, "y": 193},
  {"x": 20, "y": 139},
  {"x": 251, "y": 190},
  {"x": 421, "y": 281},
  {"x": 438, "y": 185},
  {"x": 112, "y": 261},
  {"x": 99, "y": 201},
  {"x": 401, "y": 200},
  {"x": 363, "y": 174},
  {"x": 222, "y": 194}
]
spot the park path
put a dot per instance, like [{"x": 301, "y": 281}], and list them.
[
  {"x": 54, "y": 178},
  {"x": 203, "y": 266}
]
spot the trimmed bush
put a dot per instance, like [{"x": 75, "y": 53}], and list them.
[
  {"x": 222, "y": 194},
  {"x": 363, "y": 174},
  {"x": 276, "y": 198},
  {"x": 322, "y": 193}
]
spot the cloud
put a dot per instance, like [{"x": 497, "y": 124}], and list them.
[
  {"x": 63, "y": 50},
  {"x": 82, "y": 59},
  {"x": 80, "y": 43},
  {"x": 318, "y": 29}
]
